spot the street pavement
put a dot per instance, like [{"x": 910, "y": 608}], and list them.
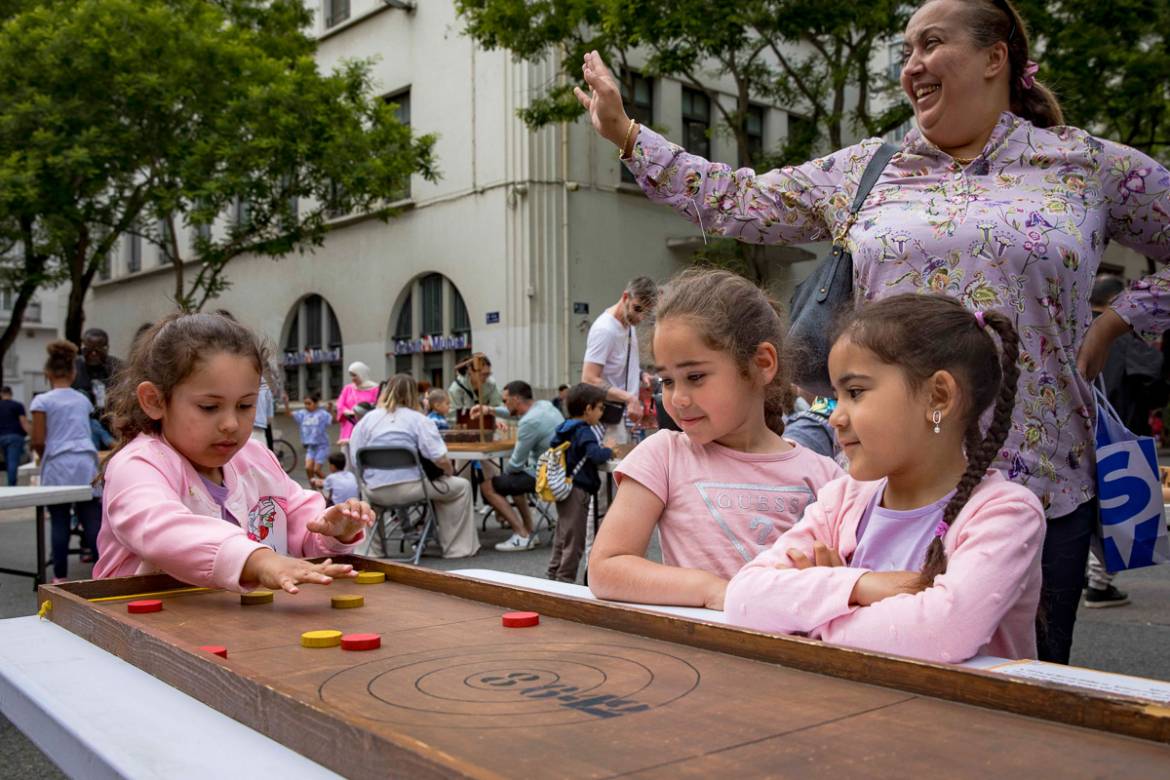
[{"x": 1133, "y": 639}]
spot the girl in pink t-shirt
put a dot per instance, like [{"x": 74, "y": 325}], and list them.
[
  {"x": 728, "y": 485},
  {"x": 920, "y": 551},
  {"x": 188, "y": 492}
]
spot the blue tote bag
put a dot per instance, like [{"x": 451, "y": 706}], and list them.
[{"x": 1133, "y": 522}]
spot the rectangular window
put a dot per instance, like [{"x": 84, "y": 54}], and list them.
[
  {"x": 104, "y": 269},
  {"x": 754, "y": 128},
  {"x": 432, "y": 305},
  {"x": 460, "y": 321},
  {"x": 696, "y": 116},
  {"x": 334, "y": 208},
  {"x": 164, "y": 231},
  {"x": 336, "y": 12},
  {"x": 802, "y": 134},
  {"x": 134, "y": 261},
  {"x": 402, "y": 114},
  {"x": 242, "y": 212},
  {"x": 638, "y": 96},
  {"x": 894, "y": 70}
]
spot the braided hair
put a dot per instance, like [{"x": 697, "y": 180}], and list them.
[{"x": 922, "y": 334}]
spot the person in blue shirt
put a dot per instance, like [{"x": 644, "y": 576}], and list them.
[
  {"x": 314, "y": 423},
  {"x": 13, "y": 432},
  {"x": 439, "y": 404}
]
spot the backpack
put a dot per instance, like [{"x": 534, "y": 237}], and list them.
[{"x": 552, "y": 483}]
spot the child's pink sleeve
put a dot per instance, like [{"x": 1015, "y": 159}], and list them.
[
  {"x": 303, "y": 506},
  {"x": 148, "y": 521},
  {"x": 996, "y": 552},
  {"x": 794, "y": 601}
]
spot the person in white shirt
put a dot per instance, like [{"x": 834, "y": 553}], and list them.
[
  {"x": 611, "y": 353},
  {"x": 397, "y": 422}
]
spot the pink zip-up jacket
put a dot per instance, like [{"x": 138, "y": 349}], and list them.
[
  {"x": 158, "y": 516},
  {"x": 984, "y": 603}
]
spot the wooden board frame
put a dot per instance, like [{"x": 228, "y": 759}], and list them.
[{"x": 289, "y": 720}]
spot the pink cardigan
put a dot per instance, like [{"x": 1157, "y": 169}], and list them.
[
  {"x": 158, "y": 516},
  {"x": 984, "y": 603}
]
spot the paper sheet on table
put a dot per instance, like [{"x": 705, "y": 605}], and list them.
[{"x": 1104, "y": 682}]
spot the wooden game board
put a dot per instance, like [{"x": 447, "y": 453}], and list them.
[
  {"x": 596, "y": 690},
  {"x": 485, "y": 446}
]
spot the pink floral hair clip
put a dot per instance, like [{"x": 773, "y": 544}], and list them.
[
  {"x": 1028, "y": 80},
  {"x": 940, "y": 530}
]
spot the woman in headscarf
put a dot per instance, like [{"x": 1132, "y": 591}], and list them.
[{"x": 361, "y": 389}]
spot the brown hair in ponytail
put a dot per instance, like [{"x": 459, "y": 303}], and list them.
[
  {"x": 733, "y": 316},
  {"x": 992, "y": 21},
  {"x": 62, "y": 360},
  {"x": 166, "y": 354},
  {"x": 922, "y": 334}
]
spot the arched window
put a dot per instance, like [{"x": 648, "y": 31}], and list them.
[
  {"x": 432, "y": 331},
  {"x": 313, "y": 358}
]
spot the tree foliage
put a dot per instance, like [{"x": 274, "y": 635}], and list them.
[
  {"x": 811, "y": 56},
  {"x": 1109, "y": 64},
  {"x": 124, "y": 117}
]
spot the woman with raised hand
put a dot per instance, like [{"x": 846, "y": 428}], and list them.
[{"x": 991, "y": 200}]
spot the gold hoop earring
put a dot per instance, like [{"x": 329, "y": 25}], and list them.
[{"x": 936, "y": 418}]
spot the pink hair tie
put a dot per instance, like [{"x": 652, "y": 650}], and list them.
[
  {"x": 940, "y": 530},
  {"x": 1028, "y": 80},
  {"x": 979, "y": 320}
]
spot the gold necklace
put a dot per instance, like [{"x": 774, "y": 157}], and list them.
[{"x": 965, "y": 160}]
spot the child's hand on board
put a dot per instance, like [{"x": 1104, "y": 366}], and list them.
[
  {"x": 874, "y": 586},
  {"x": 343, "y": 521},
  {"x": 272, "y": 570}
]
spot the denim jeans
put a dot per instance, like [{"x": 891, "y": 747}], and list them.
[
  {"x": 13, "y": 446},
  {"x": 1066, "y": 549},
  {"x": 89, "y": 514}
]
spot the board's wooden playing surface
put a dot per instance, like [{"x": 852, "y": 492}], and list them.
[
  {"x": 564, "y": 699},
  {"x": 478, "y": 446}
]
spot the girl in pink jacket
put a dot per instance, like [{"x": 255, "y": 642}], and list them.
[
  {"x": 188, "y": 492},
  {"x": 920, "y": 551}
]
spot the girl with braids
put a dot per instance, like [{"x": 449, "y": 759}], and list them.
[
  {"x": 922, "y": 550},
  {"x": 991, "y": 198},
  {"x": 189, "y": 492},
  {"x": 726, "y": 486}
]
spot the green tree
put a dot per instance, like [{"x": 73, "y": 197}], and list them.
[
  {"x": 1109, "y": 64},
  {"x": 813, "y": 56},
  {"x": 122, "y": 117}
]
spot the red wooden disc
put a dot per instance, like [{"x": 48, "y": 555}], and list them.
[
  {"x": 219, "y": 650},
  {"x": 520, "y": 619},
  {"x": 361, "y": 642},
  {"x": 144, "y": 605}
]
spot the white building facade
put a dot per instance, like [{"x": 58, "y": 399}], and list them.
[{"x": 525, "y": 239}]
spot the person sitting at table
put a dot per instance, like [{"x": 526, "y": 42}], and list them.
[
  {"x": 397, "y": 422},
  {"x": 189, "y": 492},
  {"x": 722, "y": 490},
  {"x": 61, "y": 437},
  {"x": 538, "y": 422},
  {"x": 473, "y": 385}
]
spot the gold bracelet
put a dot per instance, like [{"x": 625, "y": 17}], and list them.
[{"x": 626, "y": 141}]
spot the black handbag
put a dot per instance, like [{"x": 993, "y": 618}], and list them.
[
  {"x": 615, "y": 411},
  {"x": 817, "y": 300}
]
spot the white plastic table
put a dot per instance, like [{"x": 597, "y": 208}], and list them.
[{"x": 24, "y": 497}]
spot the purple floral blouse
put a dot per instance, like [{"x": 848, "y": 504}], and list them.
[{"x": 1021, "y": 230}]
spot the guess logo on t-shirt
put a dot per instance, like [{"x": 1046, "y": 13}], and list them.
[{"x": 752, "y": 517}]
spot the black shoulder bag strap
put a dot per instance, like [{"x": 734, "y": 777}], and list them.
[{"x": 873, "y": 171}]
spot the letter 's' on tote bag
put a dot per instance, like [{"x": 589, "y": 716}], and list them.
[{"x": 1133, "y": 521}]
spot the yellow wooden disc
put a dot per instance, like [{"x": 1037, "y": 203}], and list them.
[
  {"x": 257, "y": 597},
  {"x": 371, "y": 577},
  {"x": 348, "y": 602},
  {"x": 321, "y": 639}
]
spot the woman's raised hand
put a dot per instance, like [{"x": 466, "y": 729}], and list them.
[{"x": 603, "y": 101}]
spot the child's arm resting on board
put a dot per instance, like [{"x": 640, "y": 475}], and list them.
[
  {"x": 996, "y": 551},
  {"x": 272, "y": 570},
  {"x": 146, "y": 517},
  {"x": 618, "y": 568},
  {"x": 773, "y": 593}
]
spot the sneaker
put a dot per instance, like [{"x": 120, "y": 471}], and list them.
[
  {"x": 1096, "y": 598},
  {"x": 534, "y": 541},
  {"x": 516, "y": 543}
]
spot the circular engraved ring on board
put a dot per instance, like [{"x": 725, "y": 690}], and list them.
[{"x": 513, "y": 685}]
